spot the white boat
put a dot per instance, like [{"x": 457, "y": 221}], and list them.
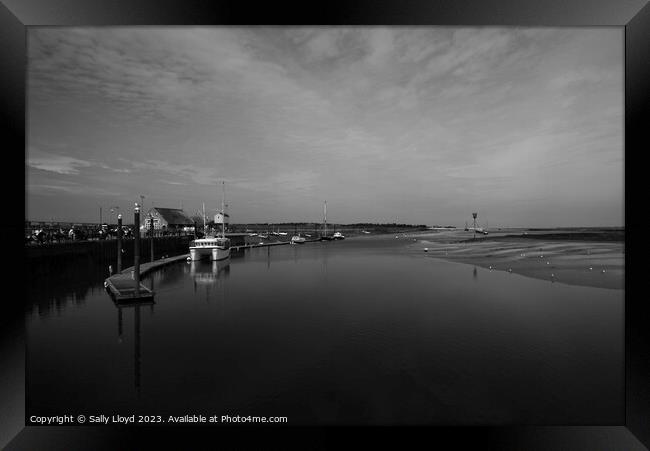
[
  {"x": 365, "y": 231},
  {"x": 282, "y": 233},
  {"x": 215, "y": 247},
  {"x": 338, "y": 236},
  {"x": 297, "y": 239}
]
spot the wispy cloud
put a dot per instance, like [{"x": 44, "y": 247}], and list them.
[
  {"x": 63, "y": 164},
  {"x": 413, "y": 116},
  {"x": 59, "y": 164},
  {"x": 197, "y": 174}
]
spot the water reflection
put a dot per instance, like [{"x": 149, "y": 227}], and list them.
[
  {"x": 137, "y": 361},
  {"x": 209, "y": 274},
  {"x": 137, "y": 353},
  {"x": 384, "y": 338},
  {"x": 71, "y": 285}
]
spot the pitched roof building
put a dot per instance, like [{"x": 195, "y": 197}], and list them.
[{"x": 167, "y": 218}]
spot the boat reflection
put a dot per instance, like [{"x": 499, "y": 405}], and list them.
[{"x": 209, "y": 272}]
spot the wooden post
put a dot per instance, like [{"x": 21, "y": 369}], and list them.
[
  {"x": 136, "y": 250},
  {"x": 151, "y": 232},
  {"x": 119, "y": 243}
]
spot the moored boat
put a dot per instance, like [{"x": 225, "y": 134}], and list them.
[{"x": 215, "y": 247}]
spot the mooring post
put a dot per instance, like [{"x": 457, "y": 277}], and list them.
[
  {"x": 136, "y": 249},
  {"x": 119, "y": 243},
  {"x": 151, "y": 233}
]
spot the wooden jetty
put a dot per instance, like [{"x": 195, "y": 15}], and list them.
[{"x": 122, "y": 285}]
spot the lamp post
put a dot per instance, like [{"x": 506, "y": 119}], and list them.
[
  {"x": 119, "y": 243},
  {"x": 136, "y": 250},
  {"x": 151, "y": 232},
  {"x": 113, "y": 209}
]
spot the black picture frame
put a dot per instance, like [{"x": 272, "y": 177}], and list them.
[{"x": 632, "y": 15}]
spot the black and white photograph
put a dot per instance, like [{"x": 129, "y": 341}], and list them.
[
  {"x": 325, "y": 225},
  {"x": 237, "y": 230}
]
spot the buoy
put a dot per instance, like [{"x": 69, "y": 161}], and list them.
[
  {"x": 547, "y": 263},
  {"x": 603, "y": 271},
  {"x": 426, "y": 249},
  {"x": 490, "y": 267}
]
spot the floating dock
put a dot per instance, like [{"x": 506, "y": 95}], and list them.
[
  {"x": 122, "y": 285},
  {"x": 275, "y": 243},
  {"x": 122, "y": 288}
]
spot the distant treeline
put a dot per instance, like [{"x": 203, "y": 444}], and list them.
[{"x": 331, "y": 224}]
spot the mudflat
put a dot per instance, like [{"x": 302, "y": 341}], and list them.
[{"x": 594, "y": 258}]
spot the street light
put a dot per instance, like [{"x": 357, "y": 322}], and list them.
[{"x": 136, "y": 249}]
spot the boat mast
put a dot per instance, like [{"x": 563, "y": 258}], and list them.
[
  {"x": 223, "y": 210},
  {"x": 325, "y": 217},
  {"x": 203, "y": 219}
]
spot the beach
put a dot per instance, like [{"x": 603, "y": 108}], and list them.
[{"x": 594, "y": 258}]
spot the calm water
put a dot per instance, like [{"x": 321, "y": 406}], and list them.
[{"x": 363, "y": 331}]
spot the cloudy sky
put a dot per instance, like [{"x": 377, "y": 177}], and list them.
[{"x": 420, "y": 124}]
